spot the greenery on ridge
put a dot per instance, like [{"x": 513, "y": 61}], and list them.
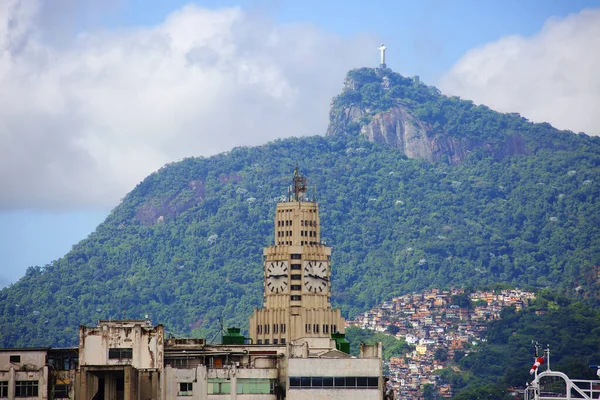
[
  {"x": 392, "y": 347},
  {"x": 185, "y": 245}
]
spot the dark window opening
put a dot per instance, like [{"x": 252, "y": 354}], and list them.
[
  {"x": 339, "y": 382},
  {"x": 296, "y": 256},
  {"x": 61, "y": 391},
  {"x": 120, "y": 353},
  {"x": 15, "y": 359},
  {"x": 26, "y": 389}
]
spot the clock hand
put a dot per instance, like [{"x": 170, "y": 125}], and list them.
[
  {"x": 318, "y": 277},
  {"x": 276, "y": 276}
]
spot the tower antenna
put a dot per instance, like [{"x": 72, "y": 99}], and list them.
[{"x": 299, "y": 186}]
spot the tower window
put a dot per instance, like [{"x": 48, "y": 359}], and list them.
[
  {"x": 296, "y": 266},
  {"x": 296, "y": 256},
  {"x": 295, "y": 297},
  {"x": 296, "y": 277},
  {"x": 296, "y": 287}
]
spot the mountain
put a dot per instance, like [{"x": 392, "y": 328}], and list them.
[{"x": 480, "y": 198}]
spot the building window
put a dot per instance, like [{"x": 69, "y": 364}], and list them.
[
  {"x": 282, "y": 328},
  {"x": 26, "y": 389},
  {"x": 219, "y": 386},
  {"x": 316, "y": 328},
  {"x": 295, "y": 297},
  {"x": 296, "y": 277},
  {"x": 334, "y": 329},
  {"x": 120, "y": 353},
  {"x": 266, "y": 329},
  {"x": 63, "y": 360},
  {"x": 61, "y": 391},
  {"x": 282, "y": 340},
  {"x": 275, "y": 341},
  {"x": 15, "y": 359},
  {"x": 259, "y": 341},
  {"x": 3, "y": 388},
  {"x": 185, "y": 389},
  {"x": 267, "y": 341},
  {"x": 339, "y": 382},
  {"x": 258, "y": 329},
  {"x": 255, "y": 386},
  {"x": 307, "y": 328},
  {"x": 325, "y": 328},
  {"x": 275, "y": 328},
  {"x": 296, "y": 266},
  {"x": 296, "y": 256},
  {"x": 296, "y": 287}
]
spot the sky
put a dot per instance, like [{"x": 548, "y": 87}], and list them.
[{"x": 95, "y": 96}]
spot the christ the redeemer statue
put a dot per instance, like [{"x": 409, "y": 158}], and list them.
[{"x": 382, "y": 55}]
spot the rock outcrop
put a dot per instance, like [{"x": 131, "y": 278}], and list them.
[{"x": 399, "y": 129}]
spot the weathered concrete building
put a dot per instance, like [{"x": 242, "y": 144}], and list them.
[
  {"x": 120, "y": 360},
  {"x": 24, "y": 373}
]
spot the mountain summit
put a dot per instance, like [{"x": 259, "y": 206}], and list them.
[{"x": 420, "y": 122}]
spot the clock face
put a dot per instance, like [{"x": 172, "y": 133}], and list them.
[
  {"x": 316, "y": 279},
  {"x": 276, "y": 273}
]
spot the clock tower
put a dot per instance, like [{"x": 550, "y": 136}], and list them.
[{"x": 297, "y": 272}]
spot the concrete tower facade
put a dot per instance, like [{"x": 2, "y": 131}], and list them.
[{"x": 297, "y": 272}]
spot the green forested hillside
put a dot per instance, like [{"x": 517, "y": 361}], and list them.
[{"x": 185, "y": 246}]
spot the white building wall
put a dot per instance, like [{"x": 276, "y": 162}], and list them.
[
  {"x": 303, "y": 367},
  {"x": 334, "y": 367},
  {"x": 199, "y": 377},
  {"x": 334, "y": 394}
]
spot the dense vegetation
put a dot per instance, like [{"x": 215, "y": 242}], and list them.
[
  {"x": 392, "y": 347},
  {"x": 185, "y": 245},
  {"x": 571, "y": 330}
]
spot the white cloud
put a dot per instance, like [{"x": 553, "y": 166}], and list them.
[
  {"x": 82, "y": 121},
  {"x": 552, "y": 76}
]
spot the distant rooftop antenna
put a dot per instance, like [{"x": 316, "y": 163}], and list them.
[{"x": 299, "y": 186}]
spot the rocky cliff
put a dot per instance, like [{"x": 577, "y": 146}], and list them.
[{"x": 373, "y": 106}]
